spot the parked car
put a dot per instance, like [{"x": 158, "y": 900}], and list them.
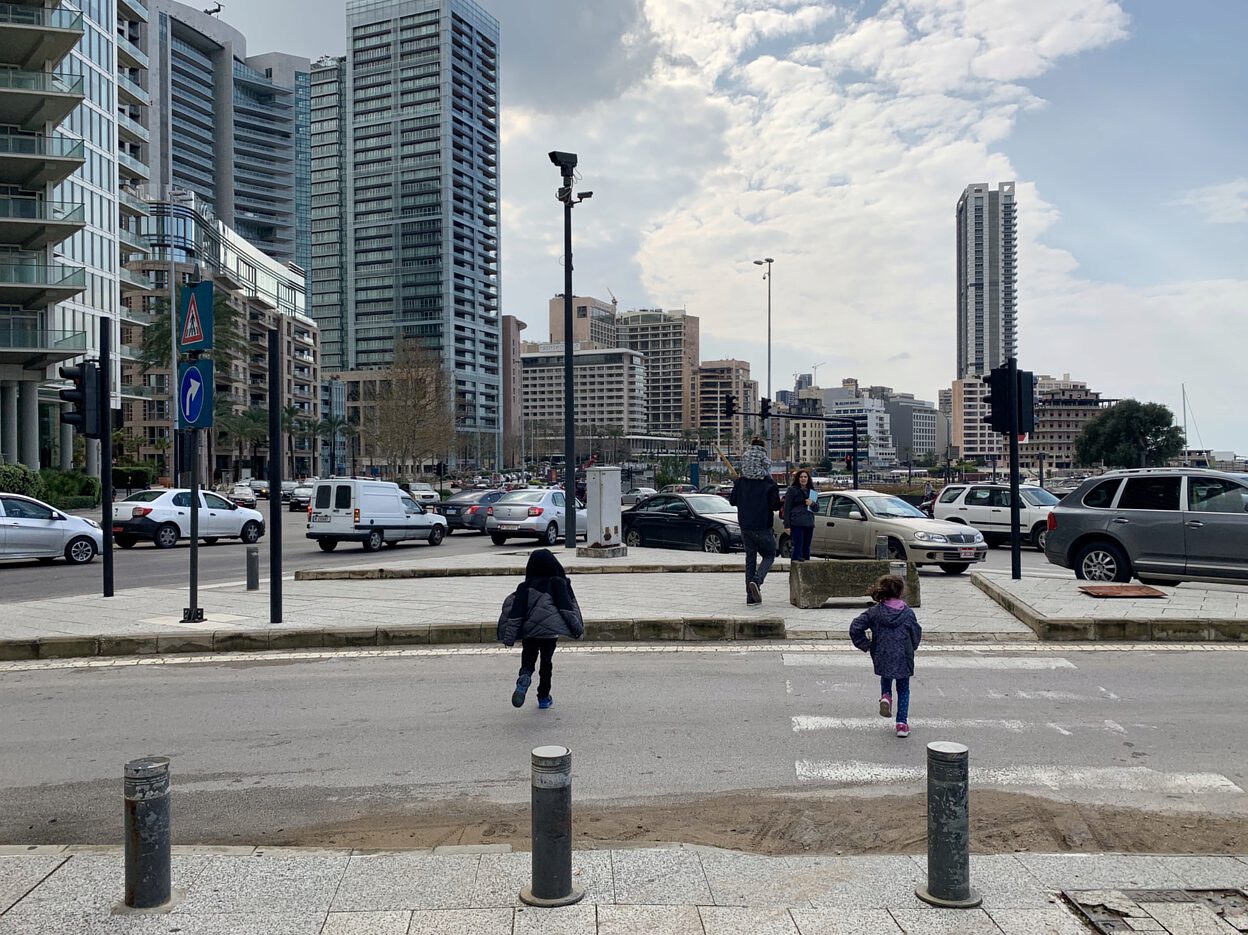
[
  {"x": 1161, "y": 525},
  {"x": 423, "y": 493},
  {"x": 30, "y": 528},
  {"x": 243, "y": 495},
  {"x": 300, "y": 498},
  {"x": 371, "y": 512},
  {"x": 540, "y": 514},
  {"x": 637, "y": 494},
  {"x": 467, "y": 509},
  {"x": 288, "y": 487},
  {"x": 986, "y": 507},
  {"x": 679, "y": 488},
  {"x": 706, "y": 522},
  {"x": 260, "y": 487},
  {"x": 164, "y": 516},
  {"x": 848, "y": 521}
]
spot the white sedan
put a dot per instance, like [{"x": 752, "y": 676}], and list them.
[
  {"x": 164, "y": 517},
  {"x": 29, "y": 528}
]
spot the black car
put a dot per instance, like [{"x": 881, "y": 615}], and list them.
[
  {"x": 300, "y": 497},
  {"x": 466, "y": 510},
  {"x": 683, "y": 521}
]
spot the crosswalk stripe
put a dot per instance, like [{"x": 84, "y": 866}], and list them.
[
  {"x": 1055, "y": 778},
  {"x": 813, "y": 722},
  {"x": 844, "y": 661}
]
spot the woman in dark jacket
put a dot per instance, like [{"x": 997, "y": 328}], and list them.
[
  {"x": 540, "y": 610},
  {"x": 798, "y": 516}
]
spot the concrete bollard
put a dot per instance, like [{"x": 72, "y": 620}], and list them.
[
  {"x": 881, "y": 548},
  {"x": 148, "y": 873},
  {"x": 253, "y": 568},
  {"x": 552, "y": 830},
  {"x": 948, "y": 828}
]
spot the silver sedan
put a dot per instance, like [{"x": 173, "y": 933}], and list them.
[
  {"x": 532, "y": 514},
  {"x": 29, "y": 528}
]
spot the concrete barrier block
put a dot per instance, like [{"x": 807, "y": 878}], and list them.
[
  {"x": 240, "y": 641},
  {"x": 661, "y": 629},
  {"x": 67, "y": 647},
  {"x": 708, "y": 628},
  {"x": 813, "y": 583},
  {"x": 18, "y": 650}
]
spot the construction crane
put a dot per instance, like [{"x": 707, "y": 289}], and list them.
[{"x": 814, "y": 370}]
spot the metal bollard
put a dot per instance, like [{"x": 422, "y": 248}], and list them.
[
  {"x": 253, "y": 568},
  {"x": 881, "y": 548},
  {"x": 148, "y": 875},
  {"x": 948, "y": 829},
  {"x": 552, "y": 830}
]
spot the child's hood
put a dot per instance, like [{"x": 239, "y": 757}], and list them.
[{"x": 887, "y": 616}]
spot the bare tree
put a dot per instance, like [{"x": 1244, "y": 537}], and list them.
[{"x": 408, "y": 418}]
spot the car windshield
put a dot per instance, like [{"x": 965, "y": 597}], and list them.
[
  {"x": 303, "y": 491},
  {"x": 422, "y": 487},
  {"x": 1038, "y": 496},
  {"x": 709, "y": 503},
  {"x": 145, "y": 496},
  {"x": 892, "y": 508},
  {"x": 470, "y": 496},
  {"x": 523, "y": 496},
  {"x": 241, "y": 488}
]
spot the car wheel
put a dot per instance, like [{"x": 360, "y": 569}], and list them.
[
  {"x": 552, "y": 534},
  {"x": 785, "y": 547},
  {"x": 376, "y": 539},
  {"x": 211, "y": 540},
  {"x": 327, "y": 545},
  {"x": 79, "y": 551},
  {"x": 166, "y": 536},
  {"x": 251, "y": 532},
  {"x": 633, "y": 539},
  {"x": 126, "y": 542},
  {"x": 438, "y": 534},
  {"x": 713, "y": 542},
  {"x": 953, "y": 568},
  {"x": 447, "y": 531},
  {"x": 1039, "y": 536},
  {"x": 497, "y": 539},
  {"x": 1102, "y": 561},
  {"x": 896, "y": 551}
]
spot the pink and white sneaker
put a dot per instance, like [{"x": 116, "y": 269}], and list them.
[
  {"x": 886, "y": 705},
  {"x": 903, "y": 729}
]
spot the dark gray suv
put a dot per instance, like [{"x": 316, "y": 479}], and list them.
[{"x": 1160, "y": 525}]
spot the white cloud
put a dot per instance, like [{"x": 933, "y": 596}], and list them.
[{"x": 1219, "y": 204}]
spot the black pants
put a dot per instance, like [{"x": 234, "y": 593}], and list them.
[{"x": 531, "y": 649}]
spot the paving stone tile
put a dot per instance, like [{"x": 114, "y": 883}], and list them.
[
  {"x": 581, "y": 919},
  {"x": 406, "y": 881},
  {"x": 500, "y": 877},
  {"x": 367, "y": 923},
  {"x": 868, "y": 882},
  {"x": 265, "y": 884},
  {"x": 737, "y": 920},
  {"x": 1052, "y": 921},
  {"x": 18, "y": 875},
  {"x": 46, "y": 922},
  {"x": 93, "y": 884},
  {"x": 1098, "y": 871},
  {"x": 1205, "y": 871},
  {"x": 1004, "y": 882},
  {"x": 1188, "y": 919},
  {"x": 460, "y": 922},
  {"x": 932, "y": 921},
  {"x": 845, "y": 922},
  {"x": 649, "y": 920},
  {"x": 748, "y": 880},
  {"x": 671, "y": 877}
]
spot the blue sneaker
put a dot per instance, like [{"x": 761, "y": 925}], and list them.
[
  {"x": 522, "y": 688},
  {"x": 545, "y": 703}
]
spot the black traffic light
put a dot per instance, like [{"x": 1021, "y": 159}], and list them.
[
  {"x": 998, "y": 400},
  {"x": 764, "y": 408},
  {"x": 84, "y": 395},
  {"x": 730, "y": 406},
  {"x": 1026, "y": 402}
]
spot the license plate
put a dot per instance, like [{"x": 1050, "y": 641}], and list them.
[
  {"x": 966, "y": 553},
  {"x": 320, "y": 517},
  {"x": 119, "y": 529},
  {"x": 451, "y": 510},
  {"x": 508, "y": 525}
]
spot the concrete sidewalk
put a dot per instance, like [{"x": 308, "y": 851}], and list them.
[{"x": 652, "y": 891}]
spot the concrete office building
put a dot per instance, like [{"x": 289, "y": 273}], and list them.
[
  {"x": 671, "y": 344},
  {"x": 226, "y": 126},
  {"x": 512, "y": 390},
  {"x": 875, "y": 439},
  {"x": 912, "y": 423},
  {"x": 987, "y": 270},
  {"x": 973, "y": 439},
  {"x": 1063, "y": 407},
  {"x": 610, "y": 387},
  {"x": 405, "y": 224},
  {"x": 593, "y": 320},
  {"x": 717, "y": 379},
  {"x": 59, "y": 216}
]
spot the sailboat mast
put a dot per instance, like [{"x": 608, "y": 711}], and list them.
[{"x": 1186, "y": 446}]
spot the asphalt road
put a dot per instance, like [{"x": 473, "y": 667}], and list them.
[
  {"x": 146, "y": 566},
  {"x": 265, "y": 744}
]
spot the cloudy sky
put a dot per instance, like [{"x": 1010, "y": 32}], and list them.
[{"x": 837, "y": 138}]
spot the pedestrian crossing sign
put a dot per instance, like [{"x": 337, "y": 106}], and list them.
[{"x": 195, "y": 317}]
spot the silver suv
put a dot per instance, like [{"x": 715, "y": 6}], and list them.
[{"x": 1161, "y": 525}]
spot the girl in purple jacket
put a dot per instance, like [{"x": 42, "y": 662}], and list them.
[{"x": 890, "y": 632}]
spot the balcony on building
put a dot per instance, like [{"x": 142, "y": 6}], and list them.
[
  {"x": 133, "y": 10},
  {"x": 33, "y": 285},
  {"x": 132, "y": 281},
  {"x": 35, "y": 161},
  {"x": 35, "y": 37},
  {"x": 134, "y": 165},
  {"x": 130, "y": 91},
  {"x": 129, "y": 55},
  {"x": 34, "y": 348},
  {"x": 132, "y": 242},
  {"x": 130, "y": 128},
  {"x": 32, "y": 224},
  {"x": 33, "y": 99},
  {"x": 131, "y": 204}
]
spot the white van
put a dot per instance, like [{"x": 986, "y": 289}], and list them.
[{"x": 371, "y": 512}]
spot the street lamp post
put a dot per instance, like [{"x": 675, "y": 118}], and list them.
[
  {"x": 767, "y": 261},
  {"x": 567, "y": 168}
]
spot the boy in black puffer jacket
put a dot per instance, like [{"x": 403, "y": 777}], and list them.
[{"x": 540, "y": 610}]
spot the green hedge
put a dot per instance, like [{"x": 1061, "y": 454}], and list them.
[
  {"x": 70, "y": 504},
  {"x": 62, "y": 485},
  {"x": 17, "y": 478},
  {"x": 133, "y": 475}
]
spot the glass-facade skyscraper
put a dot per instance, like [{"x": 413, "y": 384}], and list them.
[
  {"x": 987, "y": 274},
  {"x": 405, "y": 223}
]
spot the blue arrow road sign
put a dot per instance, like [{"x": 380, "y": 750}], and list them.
[{"x": 195, "y": 394}]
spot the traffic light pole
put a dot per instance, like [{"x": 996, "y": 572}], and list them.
[
  {"x": 1016, "y": 555},
  {"x": 106, "y": 449}
]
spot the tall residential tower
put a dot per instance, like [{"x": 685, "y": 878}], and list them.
[{"x": 987, "y": 270}]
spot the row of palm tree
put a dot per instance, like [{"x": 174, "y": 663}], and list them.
[{"x": 249, "y": 430}]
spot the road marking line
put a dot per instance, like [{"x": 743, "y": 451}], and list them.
[
  {"x": 1061, "y": 730},
  {"x": 813, "y": 722},
  {"x": 1054, "y": 778},
  {"x": 1115, "y": 727},
  {"x": 813, "y": 660}
]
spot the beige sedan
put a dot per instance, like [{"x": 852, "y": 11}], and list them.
[{"x": 848, "y": 522}]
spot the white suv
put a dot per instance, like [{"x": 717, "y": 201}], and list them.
[
  {"x": 986, "y": 507},
  {"x": 164, "y": 516},
  {"x": 423, "y": 493}
]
